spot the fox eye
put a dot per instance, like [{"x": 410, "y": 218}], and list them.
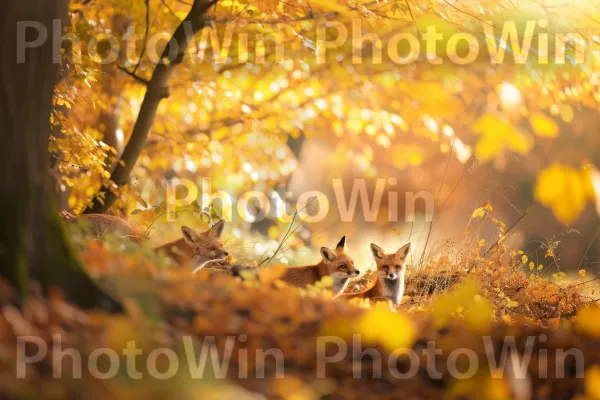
[
  {"x": 398, "y": 267},
  {"x": 343, "y": 266},
  {"x": 385, "y": 267}
]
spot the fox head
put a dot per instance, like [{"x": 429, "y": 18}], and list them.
[
  {"x": 339, "y": 265},
  {"x": 206, "y": 246},
  {"x": 390, "y": 266}
]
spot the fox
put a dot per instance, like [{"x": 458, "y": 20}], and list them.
[
  {"x": 101, "y": 225},
  {"x": 197, "y": 249},
  {"x": 193, "y": 249},
  {"x": 391, "y": 268},
  {"x": 335, "y": 263}
]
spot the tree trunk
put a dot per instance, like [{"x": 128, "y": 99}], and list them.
[
  {"x": 32, "y": 242},
  {"x": 157, "y": 89}
]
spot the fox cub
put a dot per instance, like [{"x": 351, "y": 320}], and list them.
[
  {"x": 389, "y": 283},
  {"x": 197, "y": 249},
  {"x": 335, "y": 263},
  {"x": 194, "y": 249},
  {"x": 101, "y": 225}
]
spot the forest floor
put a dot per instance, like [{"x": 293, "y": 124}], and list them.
[{"x": 467, "y": 315}]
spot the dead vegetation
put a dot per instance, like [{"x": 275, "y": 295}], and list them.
[
  {"x": 164, "y": 308},
  {"x": 166, "y": 304}
]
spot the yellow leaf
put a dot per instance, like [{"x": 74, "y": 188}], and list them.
[
  {"x": 478, "y": 213},
  {"x": 543, "y": 125},
  {"x": 587, "y": 321},
  {"x": 146, "y": 216},
  {"x": 592, "y": 383},
  {"x": 139, "y": 200},
  {"x": 274, "y": 232},
  {"x": 369, "y": 327},
  {"x": 595, "y": 182},
  {"x": 497, "y": 389},
  {"x": 477, "y": 311},
  {"x": 402, "y": 331},
  {"x": 404, "y": 155},
  {"x": 498, "y": 135},
  {"x": 565, "y": 189},
  {"x": 326, "y": 281},
  {"x": 269, "y": 275}
]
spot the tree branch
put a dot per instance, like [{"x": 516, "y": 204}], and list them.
[
  {"x": 157, "y": 90},
  {"x": 134, "y": 76},
  {"x": 145, "y": 36}
]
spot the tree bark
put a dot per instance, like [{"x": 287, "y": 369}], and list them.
[
  {"x": 157, "y": 90},
  {"x": 32, "y": 242}
]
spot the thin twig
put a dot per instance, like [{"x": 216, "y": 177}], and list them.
[
  {"x": 289, "y": 232},
  {"x": 584, "y": 283},
  {"x": 145, "y": 36},
  {"x": 509, "y": 230},
  {"x": 81, "y": 167},
  {"x": 410, "y": 10},
  {"x": 589, "y": 247},
  {"x": 309, "y": 17},
  {"x": 298, "y": 243},
  {"x": 436, "y": 200},
  {"x": 521, "y": 217},
  {"x": 240, "y": 13},
  {"x": 164, "y": 2},
  {"x": 412, "y": 225},
  {"x": 134, "y": 76}
]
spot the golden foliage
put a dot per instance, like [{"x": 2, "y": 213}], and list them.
[
  {"x": 566, "y": 190},
  {"x": 587, "y": 321},
  {"x": 401, "y": 331},
  {"x": 592, "y": 383},
  {"x": 498, "y": 135},
  {"x": 543, "y": 126},
  {"x": 464, "y": 301}
]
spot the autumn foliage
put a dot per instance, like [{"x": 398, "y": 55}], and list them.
[{"x": 255, "y": 100}]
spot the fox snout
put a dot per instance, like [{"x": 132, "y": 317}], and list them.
[
  {"x": 345, "y": 274},
  {"x": 353, "y": 274},
  {"x": 392, "y": 276},
  {"x": 222, "y": 255}
]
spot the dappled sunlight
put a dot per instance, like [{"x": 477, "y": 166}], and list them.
[{"x": 300, "y": 200}]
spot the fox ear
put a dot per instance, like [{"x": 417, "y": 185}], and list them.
[
  {"x": 403, "y": 252},
  {"x": 217, "y": 230},
  {"x": 341, "y": 246},
  {"x": 377, "y": 251},
  {"x": 190, "y": 236},
  {"x": 327, "y": 254}
]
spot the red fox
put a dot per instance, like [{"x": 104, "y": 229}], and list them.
[
  {"x": 335, "y": 263},
  {"x": 101, "y": 225},
  {"x": 194, "y": 249},
  {"x": 389, "y": 283},
  {"x": 197, "y": 249}
]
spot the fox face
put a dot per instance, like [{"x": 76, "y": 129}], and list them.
[
  {"x": 339, "y": 265},
  {"x": 206, "y": 246},
  {"x": 390, "y": 266}
]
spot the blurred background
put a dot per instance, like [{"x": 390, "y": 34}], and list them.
[{"x": 248, "y": 119}]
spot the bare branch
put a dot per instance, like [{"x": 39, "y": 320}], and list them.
[
  {"x": 137, "y": 78},
  {"x": 145, "y": 36}
]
